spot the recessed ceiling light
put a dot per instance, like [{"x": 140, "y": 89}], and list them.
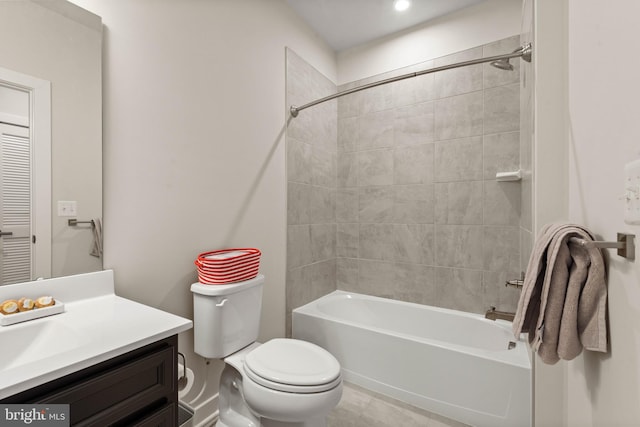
[{"x": 401, "y": 5}]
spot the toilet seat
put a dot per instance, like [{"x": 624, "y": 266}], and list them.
[{"x": 293, "y": 366}]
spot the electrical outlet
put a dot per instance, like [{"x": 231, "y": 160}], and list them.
[{"x": 67, "y": 208}]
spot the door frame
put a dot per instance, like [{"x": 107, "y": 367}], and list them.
[{"x": 40, "y": 134}]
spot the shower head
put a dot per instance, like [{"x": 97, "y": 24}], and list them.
[{"x": 502, "y": 64}]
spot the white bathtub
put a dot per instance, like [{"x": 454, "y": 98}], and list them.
[{"x": 453, "y": 363}]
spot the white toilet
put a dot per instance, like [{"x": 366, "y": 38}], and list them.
[{"x": 281, "y": 383}]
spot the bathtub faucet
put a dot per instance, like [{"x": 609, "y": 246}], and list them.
[{"x": 494, "y": 314}]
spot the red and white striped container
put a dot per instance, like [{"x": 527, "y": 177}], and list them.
[{"x": 226, "y": 266}]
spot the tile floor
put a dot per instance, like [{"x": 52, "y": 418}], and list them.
[{"x": 363, "y": 408}]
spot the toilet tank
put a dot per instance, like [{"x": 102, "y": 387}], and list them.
[{"x": 226, "y": 318}]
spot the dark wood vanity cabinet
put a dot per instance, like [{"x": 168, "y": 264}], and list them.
[{"x": 138, "y": 388}]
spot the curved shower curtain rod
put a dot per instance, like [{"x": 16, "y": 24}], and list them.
[{"x": 523, "y": 52}]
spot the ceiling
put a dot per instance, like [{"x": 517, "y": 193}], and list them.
[{"x": 347, "y": 23}]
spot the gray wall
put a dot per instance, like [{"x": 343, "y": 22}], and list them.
[
  {"x": 419, "y": 215},
  {"x": 311, "y": 187}
]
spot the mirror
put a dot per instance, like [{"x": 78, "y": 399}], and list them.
[{"x": 57, "y": 42}]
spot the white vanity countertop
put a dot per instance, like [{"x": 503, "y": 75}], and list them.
[{"x": 94, "y": 328}]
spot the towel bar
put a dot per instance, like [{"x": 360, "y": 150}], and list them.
[
  {"x": 73, "y": 222},
  {"x": 624, "y": 244}
]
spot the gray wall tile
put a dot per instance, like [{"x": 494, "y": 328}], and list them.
[
  {"x": 458, "y": 203},
  {"x": 347, "y": 170},
  {"x": 413, "y": 204},
  {"x": 414, "y": 283},
  {"x": 501, "y": 203},
  {"x": 299, "y": 250},
  {"x": 322, "y": 205},
  {"x": 298, "y": 203},
  {"x": 376, "y": 204},
  {"x": 347, "y": 240},
  {"x": 460, "y": 289},
  {"x": 526, "y": 247},
  {"x": 495, "y": 76},
  {"x": 347, "y": 274},
  {"x": 413, "y": 243},
  {"x": 458, "y": 80},
  {"x": 323, "y": 242},
  {"x": 298, "y": 161},
  {"x": 347, "y": 134},
  {"x": 347, "y": 205},
  {"x": 323, "y": 278},
  {"x": 375, "y": 167},
  {"x": 413, "y": 124},
  {"x": 414, "y": 90},
  {"x": 501, "y": 248},
  {"x": 459, "y": 246},
  {"x": 377, "y": 98},
  {"x": 350, "y": 105},
  {"x": 413, "y": 164},
  {"x": 459, "y": 116},
  {"x": 323, "y": 167},
  {"x": 375, "y": 130},
  {"x": 377, "y": 241},
  {"x": 497, "y": 294},
  {"x": 458, "y": 160},
  {"x": 501, "y": 153},
  {"x": 502, "y": 109},
  {"x": 376, "y": 278},
  {"x": 312, "y": 146},
  {"x": 404, "y": 156}
]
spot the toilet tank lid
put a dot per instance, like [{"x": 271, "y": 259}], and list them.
[{"x": 218, "y": 290}]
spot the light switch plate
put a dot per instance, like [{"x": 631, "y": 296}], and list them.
[
  {"x": 632, "y": 192},
  {"x": 67, "y": 208}
]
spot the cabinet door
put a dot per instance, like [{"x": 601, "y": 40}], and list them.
[
  {"x": 128, "y": 392},
  {"x": 163, "y": 417}
]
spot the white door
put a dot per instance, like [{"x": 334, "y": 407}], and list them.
[
  {"x": 25, "y": 177},
  {"x": 15, "y": 205}
]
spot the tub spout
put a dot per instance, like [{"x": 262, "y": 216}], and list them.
[{"x": 494, "y": 314}]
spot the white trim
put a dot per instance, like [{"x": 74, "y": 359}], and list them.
[
  {"x": 13, "y": 119},
  {"x": 40, "y": 124}
]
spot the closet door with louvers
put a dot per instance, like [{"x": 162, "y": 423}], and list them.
[{"x": 15, "y": 204}]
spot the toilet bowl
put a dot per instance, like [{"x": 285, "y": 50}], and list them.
[{"x": 281, "y": 383}]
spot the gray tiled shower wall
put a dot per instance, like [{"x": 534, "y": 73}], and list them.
[{"x": 401, "y": 201}]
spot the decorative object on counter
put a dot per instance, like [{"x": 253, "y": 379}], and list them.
[
  {"x": 226, "y": 266},
  {"x": 564, "y": 296},
  {"x": 15, "y": 311},
  {"x": 26, "y": 304},
  {"x": 9, "y": 307},
  {"x": 45, "y": 301}
]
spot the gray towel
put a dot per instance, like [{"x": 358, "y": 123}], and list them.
[
  {"x": 96, "y": 249},
  {"x": 563, "y": 300}
]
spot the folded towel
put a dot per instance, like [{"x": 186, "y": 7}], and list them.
[
  {"x": 96, "y": 250},
  {"x": 564, "y": 295}
]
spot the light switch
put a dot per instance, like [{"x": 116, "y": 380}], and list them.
[
  {"x": 632, "y": 192},
  {"x": 67, "y": 208}
]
